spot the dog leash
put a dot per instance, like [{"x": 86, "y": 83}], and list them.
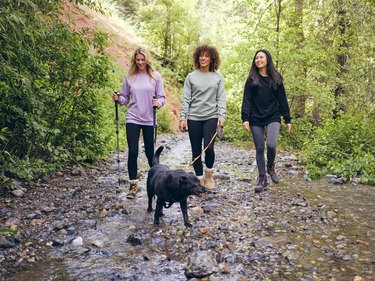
[{"x": 219, "y": 132}]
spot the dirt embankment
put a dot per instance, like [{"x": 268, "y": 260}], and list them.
[{"x": 122, "y": 43}]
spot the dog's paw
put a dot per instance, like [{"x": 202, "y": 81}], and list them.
[
  {"x": 156, "y": 222},
  {"x": 150, "y": 210},
  {"x": 188, "y": 224}
]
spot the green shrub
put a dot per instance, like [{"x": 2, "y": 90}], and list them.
[
  {"x": 343, "y": 147},
  {"x": 302, "y": 131}
]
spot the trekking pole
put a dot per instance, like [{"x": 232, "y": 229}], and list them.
[
  {"x": 117, "y": 143},
  {"x": 155, "y": 123}
]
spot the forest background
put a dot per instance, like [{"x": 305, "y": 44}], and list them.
[{"x": 56, "y": 81}]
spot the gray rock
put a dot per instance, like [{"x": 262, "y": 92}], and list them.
[
  {"x": 4, "y": 243},
  {"x": 200, "y": 264},
  {"x": 18, "y": 193}
]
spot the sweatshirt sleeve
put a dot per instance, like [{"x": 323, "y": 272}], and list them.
[
  {"x": 159, "y": 91},
  {"x": 186, "y": 99},
  {"x": 125, "y": 93},
  {"x": 245, "y": 109},
  {"x": 283, "y": 103},
  {"x": 221, "y": 100}
]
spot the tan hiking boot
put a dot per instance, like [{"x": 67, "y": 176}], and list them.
[
  {"x": 209, "y": 182},
  {"x": 133, "y": 189},
  {"x": 201, "y": 180}
]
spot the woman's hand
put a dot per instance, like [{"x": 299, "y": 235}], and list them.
[
  {"x": 246, "y": 126},
  {"x": 288, "y": 127},
  {"x": 221, "y": 123},
  {"x": 182, "y": 125},
  {"x": 155, "y": 103},
  {"x": 115, "y": 96}
]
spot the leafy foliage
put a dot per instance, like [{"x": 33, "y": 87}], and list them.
[
  {"x": 343, "y": 147},
  {"x": 50, "y": 83}
]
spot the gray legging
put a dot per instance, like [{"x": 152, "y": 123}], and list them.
[{"x": 272, "y": 132}]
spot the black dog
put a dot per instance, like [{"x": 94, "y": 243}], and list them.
[{"x": 170, "y": 186}]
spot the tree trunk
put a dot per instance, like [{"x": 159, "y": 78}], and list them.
[
  {"x": 342, "y": 58},
  {"x": 299, "y": 110}
]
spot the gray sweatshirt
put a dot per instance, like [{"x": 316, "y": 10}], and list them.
[{"x": 203, "y": 96}]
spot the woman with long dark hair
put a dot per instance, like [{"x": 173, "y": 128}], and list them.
[
  {"x": 203, "y": 109},
  {"x": 264, "y": 102}
]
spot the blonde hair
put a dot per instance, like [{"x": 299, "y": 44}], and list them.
[{"x": 134, "y": 68}]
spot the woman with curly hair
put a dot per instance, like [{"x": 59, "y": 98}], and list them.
[
  {"x": 264, "y": 102},
  {"x": 203, "y": 108},
  {"x": 142, "y": 91}
]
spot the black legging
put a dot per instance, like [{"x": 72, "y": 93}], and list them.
[
  {"x": 272, "y": 131},
  {"x": 199, "y": 130},
  {"x": 132, "y": 136}
]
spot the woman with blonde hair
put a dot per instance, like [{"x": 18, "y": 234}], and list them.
[{"x": 142, "y": 91}]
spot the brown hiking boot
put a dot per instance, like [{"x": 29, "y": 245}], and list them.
[
  {"x": 271, "y": 171},
  {"x": 133, "y": 189},
  {"x": 209, "y": 182},
  {"x": 261, "y": 184}
]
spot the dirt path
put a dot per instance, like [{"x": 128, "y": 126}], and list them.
[{"x": 76, "y": 225}]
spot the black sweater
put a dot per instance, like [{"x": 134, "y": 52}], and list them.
[{"x": 262, "y": 105}]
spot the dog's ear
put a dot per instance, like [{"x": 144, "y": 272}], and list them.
[{"x": 183, "y": 180}]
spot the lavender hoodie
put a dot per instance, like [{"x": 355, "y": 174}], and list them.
[{"x": 138, "y": 91}]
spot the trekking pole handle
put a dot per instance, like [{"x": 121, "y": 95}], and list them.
[{"x": 154, "y": 106}]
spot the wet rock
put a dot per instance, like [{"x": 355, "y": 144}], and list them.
[
  {"x": 78, "y": 241},
  {"x": 338, "y": 180},
  {"x": 71, "y": 231},
  {"x": 5, "y": 243},
  {"x": 200, "y": 264},
  {"x": 57, "y": 243},
  {"x": 97, "y": 243},
  {"x": 223, "y": 268},
  {"x": 133, "y": 240},
  {"x": 47, "y": 210},
  {"x": 263, "y": 242},
  {"x": 76, "y": 172},
  {"x": 46, "y": 179},
  {"x": 18, "y": 192},
  {"x": 89, "y": 223},
  {"x": 329, "y": 176}
]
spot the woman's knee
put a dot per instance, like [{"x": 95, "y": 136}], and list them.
[
  {"x": 133, "y": 154},
  {"x": 271, "y": 147},
  {"x": 259, "y": 149}
]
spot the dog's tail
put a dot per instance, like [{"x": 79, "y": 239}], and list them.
[{"x": 155, "y": 159}]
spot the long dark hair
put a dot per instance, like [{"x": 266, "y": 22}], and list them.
[
  {"x": 212, "y": 51},
  {"x": 275, "y": 77}
]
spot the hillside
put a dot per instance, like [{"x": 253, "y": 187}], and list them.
[{"x": 122, "y": 43}]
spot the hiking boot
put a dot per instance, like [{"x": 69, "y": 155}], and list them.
[
  {"x": 209, "y": 182},
  {"x": 271, "y": 171},
  {"x": 133, "y": 189},
  {"x": 261, "y": 184},
  {"x": 201, "y": 180}
]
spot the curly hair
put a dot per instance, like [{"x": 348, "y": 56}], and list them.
[{"x": 212, "y": 51}]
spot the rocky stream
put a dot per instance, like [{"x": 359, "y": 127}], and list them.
[{"x": 77, "y": 224}]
